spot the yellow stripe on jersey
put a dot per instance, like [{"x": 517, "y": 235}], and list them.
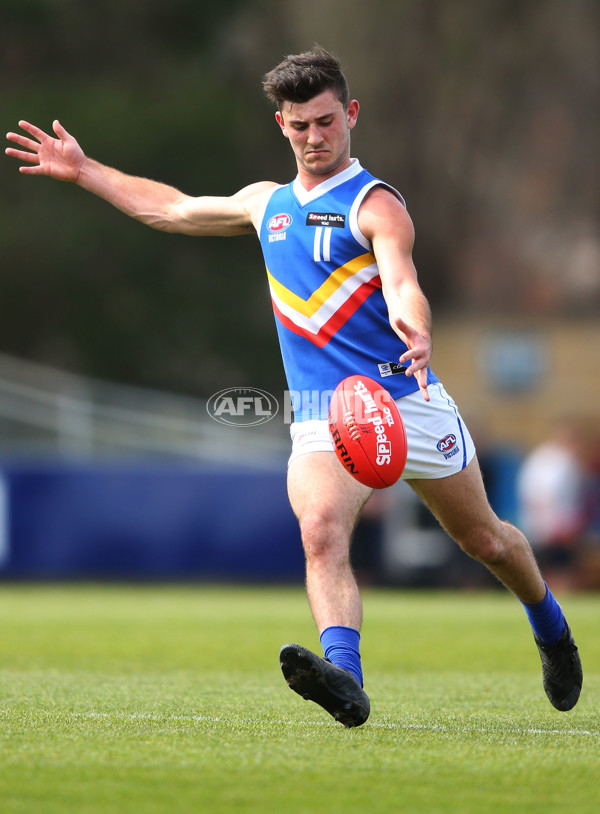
[{"x": 335, "y": 280}]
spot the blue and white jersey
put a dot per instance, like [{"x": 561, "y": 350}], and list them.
[{"x": 329, "y": 308}]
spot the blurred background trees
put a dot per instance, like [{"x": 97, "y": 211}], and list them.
[{"x": 484, "y": 115}]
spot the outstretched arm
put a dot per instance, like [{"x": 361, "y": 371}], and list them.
[
  {"x": 157, "y": 205},
  {"x": 386, "y": 223}
]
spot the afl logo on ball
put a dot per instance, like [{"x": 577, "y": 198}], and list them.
[{"x": 279, "y": 223}]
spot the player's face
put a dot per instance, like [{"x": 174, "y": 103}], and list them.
[{"x": 319, "y": 132}]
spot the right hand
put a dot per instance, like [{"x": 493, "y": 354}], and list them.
[{"x": 60, "y": 158}]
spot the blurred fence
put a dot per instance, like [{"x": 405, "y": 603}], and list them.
[
  {"x": 104, "y": 481},
  {"x": 44, "y": 411},
  {"x": 152, "y": 521}
]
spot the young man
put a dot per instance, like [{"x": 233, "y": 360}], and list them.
[{"x": 338, "y": 248}]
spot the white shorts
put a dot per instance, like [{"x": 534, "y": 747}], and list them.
[{"x": 438, "y": 441}]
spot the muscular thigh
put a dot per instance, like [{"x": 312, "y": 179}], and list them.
[
  {"x": 320, "y": 488},
  {"x": 459, "y": 501}
]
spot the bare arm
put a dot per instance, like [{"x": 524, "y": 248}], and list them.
[
  {"x": 155, "y": 204},
  {"x": 386, "y": 223}
]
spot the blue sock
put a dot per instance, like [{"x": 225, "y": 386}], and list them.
[
  {"x": 546, "y": 618},
  {"x": 341, "y": 647}
]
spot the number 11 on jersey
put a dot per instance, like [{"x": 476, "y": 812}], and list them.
[{"x": 322, "y": 244}]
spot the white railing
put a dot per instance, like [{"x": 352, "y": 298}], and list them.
[{"x": 50, "y": 411}]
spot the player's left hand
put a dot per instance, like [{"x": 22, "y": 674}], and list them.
[{"x": 417, "y": 356}]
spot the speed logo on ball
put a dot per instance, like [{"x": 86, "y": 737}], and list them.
[{"x": 367, "y": 432}]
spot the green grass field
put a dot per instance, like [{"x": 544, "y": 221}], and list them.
[{"x": 170, "y": 699}]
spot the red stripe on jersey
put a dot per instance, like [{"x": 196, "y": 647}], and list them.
[{"x": 337, "y": 320}]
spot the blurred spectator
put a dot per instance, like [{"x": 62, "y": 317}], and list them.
[
  {"x": 588, "y": 572},
  {"x": 593, "y": 492},
  {"x": 551, "y": 487}
]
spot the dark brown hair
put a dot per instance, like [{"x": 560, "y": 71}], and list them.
[{"x": 301, "y": 77}]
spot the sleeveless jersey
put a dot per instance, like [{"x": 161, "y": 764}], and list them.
[{"x": 331, "y": 316}]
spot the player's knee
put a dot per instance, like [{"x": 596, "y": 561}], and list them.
[
  {"x": 491, "y": 544},
  {"x": 321, "y": 534},
  {"x": 483, "y": 544}
]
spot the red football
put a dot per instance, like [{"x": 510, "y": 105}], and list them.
[{"x": 367, "y": 431}]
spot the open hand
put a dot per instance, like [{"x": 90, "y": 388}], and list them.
[
  {"x": 60, "y": 158},
  {"x": 417, "y": 356}
]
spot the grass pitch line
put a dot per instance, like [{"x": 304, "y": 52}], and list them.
[
  {"x": 482, "y": 730},
  {"x": 479, "y": 730}
]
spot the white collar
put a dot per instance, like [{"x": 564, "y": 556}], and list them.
[{"x": 306, "y": 196}]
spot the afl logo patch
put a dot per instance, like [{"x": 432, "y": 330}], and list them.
[
  {"x": 447, "y": 443},
  {"x": 279, "y": 223}
]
